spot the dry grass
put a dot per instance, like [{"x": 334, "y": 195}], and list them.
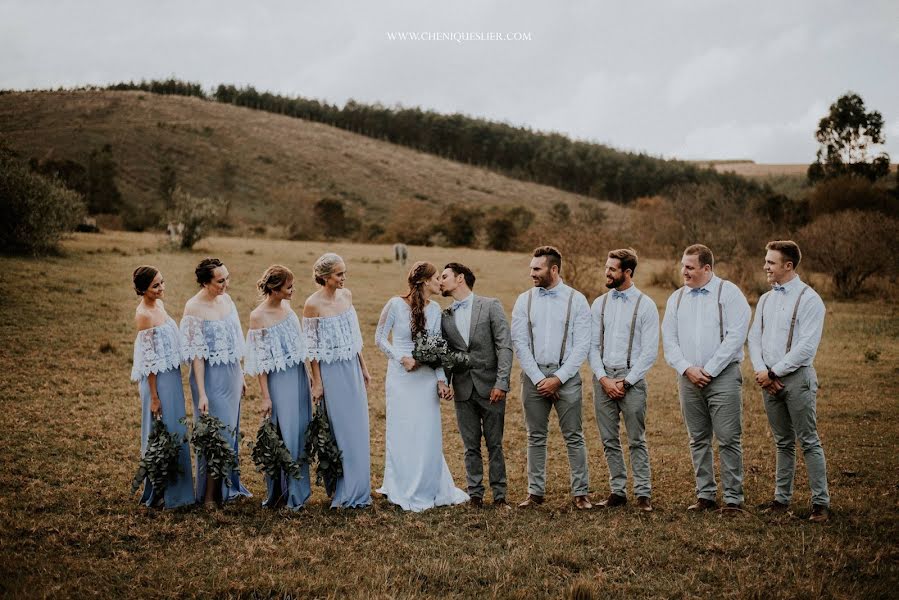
[
  {"x": 280, "y": 165},
  {"x": 70, "y": 429}
]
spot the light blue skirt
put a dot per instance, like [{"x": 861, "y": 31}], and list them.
[
  {"x": 347, "y": 404},
  {"x": 224, "y": 384},
  {"x": 291, "y": 413},
  {"x": 179, "y": 491}
]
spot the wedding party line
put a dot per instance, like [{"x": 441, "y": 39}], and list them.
[{"x": 313, "y": 383}]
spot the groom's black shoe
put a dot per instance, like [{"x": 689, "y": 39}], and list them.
[
  {"x": 613, "y": 500},
  {"x": 531, "y": 501},
  {"x": 476, "y": 502}
]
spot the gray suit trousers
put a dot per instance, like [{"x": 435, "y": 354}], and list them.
[
  {"x": 609, "y": 413},
  {"x": 792, "y": 415},
  {"x": 476, "y": 418},
  {"x": 536, "y": 417},
  {"x": 716, "y": 409}
]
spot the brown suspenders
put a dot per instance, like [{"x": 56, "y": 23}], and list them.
[
  {"x": 792, "y": 320},
  {"x": 602, "y": 328},
  {"x": 564, "y": 333},
  {"x": 680, "y": 295}
]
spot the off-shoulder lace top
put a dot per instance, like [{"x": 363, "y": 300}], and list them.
[
  {"x": 275, "y": 348},
  {"x": 219, "y": 341},
  {"x": 333, "y": 338},
  {"x": 156, "y": 349}
]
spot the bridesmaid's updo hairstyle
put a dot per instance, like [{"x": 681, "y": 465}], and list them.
[
  {"x": 143, "y": 277},
  {"x": 324, "y": 266},
  {"x": 418, "y": 275},
  {"x": 274, "y": 278},
  {"x": 205, "y": 269}
]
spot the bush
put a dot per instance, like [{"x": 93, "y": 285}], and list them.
[
  {"x": 34, "y": 211},
  {"x": 851, "y": 246},
  {"x": 850, "y": 193},
  {"x": 196, "y": 213}
]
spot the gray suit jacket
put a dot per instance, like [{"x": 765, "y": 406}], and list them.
[{"x": 489, "y": 346}]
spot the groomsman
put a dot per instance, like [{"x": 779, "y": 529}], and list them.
[
  {"x": 551, "y": 336},
  {"x": 625, "y": 344},
  {"x": 477, "y": 325},
  {"x": 703, "y": 332},
  {"x": 783, "y": 342}
]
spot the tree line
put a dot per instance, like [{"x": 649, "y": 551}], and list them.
[{"x": 550, "y": 159}]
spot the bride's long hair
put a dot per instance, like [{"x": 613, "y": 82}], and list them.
[{"x": 418, "y": 275}]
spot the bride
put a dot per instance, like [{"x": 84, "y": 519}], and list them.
[{"x": 416, "y": 476}]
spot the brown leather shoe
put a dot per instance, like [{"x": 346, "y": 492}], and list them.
[
  {"x": 644, "y": 504},
  {"x": 612, "y": 501},
  {"x": 703, "y": 504},
  {"x": 773, "y": 507},
  {"x": 820, "y": 514},
  {"x": 502, "y": 504},
  {"x": 476, "y": 502},
  {"x": 531, "y": 501},
  {"x": 582, "y": 502}
]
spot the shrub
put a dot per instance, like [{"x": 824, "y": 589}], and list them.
[
  {"x": 850, "y": 193},
  {"x": 851, "y": 246},
  {"x": 198, "y": 215},
  {"x": 460, "y": 226},
  {"x": 35, "y": 211}
]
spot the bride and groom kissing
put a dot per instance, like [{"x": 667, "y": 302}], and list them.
[{"x": 416, "y": 476}]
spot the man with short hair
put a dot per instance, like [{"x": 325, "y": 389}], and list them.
[
  {"x": 703, "y": 332},
  {"x": 551, "y": 336},
  {"x": 783, "y": 342},
  {"x": 477, "y": 325},
  {"x": 625, "y": 344}
]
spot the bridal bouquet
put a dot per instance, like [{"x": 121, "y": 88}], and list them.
[
  {"x": 159, "y": 463},
  {"x": 270, "y": 455},
  {"x": 206, "y": 437},
  {"x": 321, "y": 445},
  {"x": 433, "y": 351}
]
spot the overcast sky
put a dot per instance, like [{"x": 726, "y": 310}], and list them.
[{"x": 682, "y": 78}]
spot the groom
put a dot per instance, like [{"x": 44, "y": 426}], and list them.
[{"x": 478, "y": 326}]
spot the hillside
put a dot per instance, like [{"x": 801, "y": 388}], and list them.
[{"x": 270, "y": 167}]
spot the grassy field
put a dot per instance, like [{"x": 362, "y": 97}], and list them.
[{"x": 70, "y": 442}]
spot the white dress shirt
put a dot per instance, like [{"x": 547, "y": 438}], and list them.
[
  {"x": 462, "y": 316},
  {"x": 619, "y": 314},
  {"x": 692, "y": 336},
  {"x": 548, "y": 318},
  {"x": 772, "y": 349}
]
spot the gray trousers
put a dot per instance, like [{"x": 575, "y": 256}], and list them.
[
  {"x": 609, "y": 413},
  {"x": 716, "y": 409},
  {"x": 792, "y": 416},
  {"x": 476, "y": 418},
  {"x": 536, "y": 418}
]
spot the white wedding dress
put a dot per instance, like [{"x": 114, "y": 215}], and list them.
[{"x": 416, "y": 476}]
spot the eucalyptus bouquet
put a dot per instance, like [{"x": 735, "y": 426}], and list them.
[
  {"x": 159, "y": 463},
  {"x": 270, "y": 455},
  {"x": 206, "y": 437},
  {"x": 321, "y": 445},
  {"x": 433, "y": 351}
]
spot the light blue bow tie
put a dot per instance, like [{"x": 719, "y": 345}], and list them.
[
  {"x": 461, "y": 304},
  {"x": 779, "y": 288},
  {"x": 616, "y": 295},
  {"x": 698, "y": 292},
  {"x": 545, "y": 292}
]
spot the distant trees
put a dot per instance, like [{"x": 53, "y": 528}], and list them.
[
  {"x": 35, "y": 210},
  {"x": 102, "y": 195},
  {"x": 548, "y": 158},
  {"x": 846, "y": 135}
]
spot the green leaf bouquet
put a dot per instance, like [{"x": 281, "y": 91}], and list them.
[
  {"x": 270, "y": 454},
  {"x": 159, "y": 464},
  {"x": 205, "y": 435},
  {"x": 322, "y": 446}
]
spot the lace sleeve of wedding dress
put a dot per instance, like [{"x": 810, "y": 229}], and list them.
[
  {"x": 155, "y": 350},
  {"x": 193, "y": 339},
  {"x": 385, "y": 326},
  {"x": 434, "y": 329}
]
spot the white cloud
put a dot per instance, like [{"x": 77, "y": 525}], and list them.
[{"x": 704, "y": 73}]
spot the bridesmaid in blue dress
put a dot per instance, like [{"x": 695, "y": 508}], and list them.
[
  {"x": 340, "y": 377},
  {"x": 212, "y": 342},
  {"x": 276, "y": 354},
  {"x": 157, "y": 369}
]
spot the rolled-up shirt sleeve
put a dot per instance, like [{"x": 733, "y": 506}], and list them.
[{"x": 521, "y": 341}]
